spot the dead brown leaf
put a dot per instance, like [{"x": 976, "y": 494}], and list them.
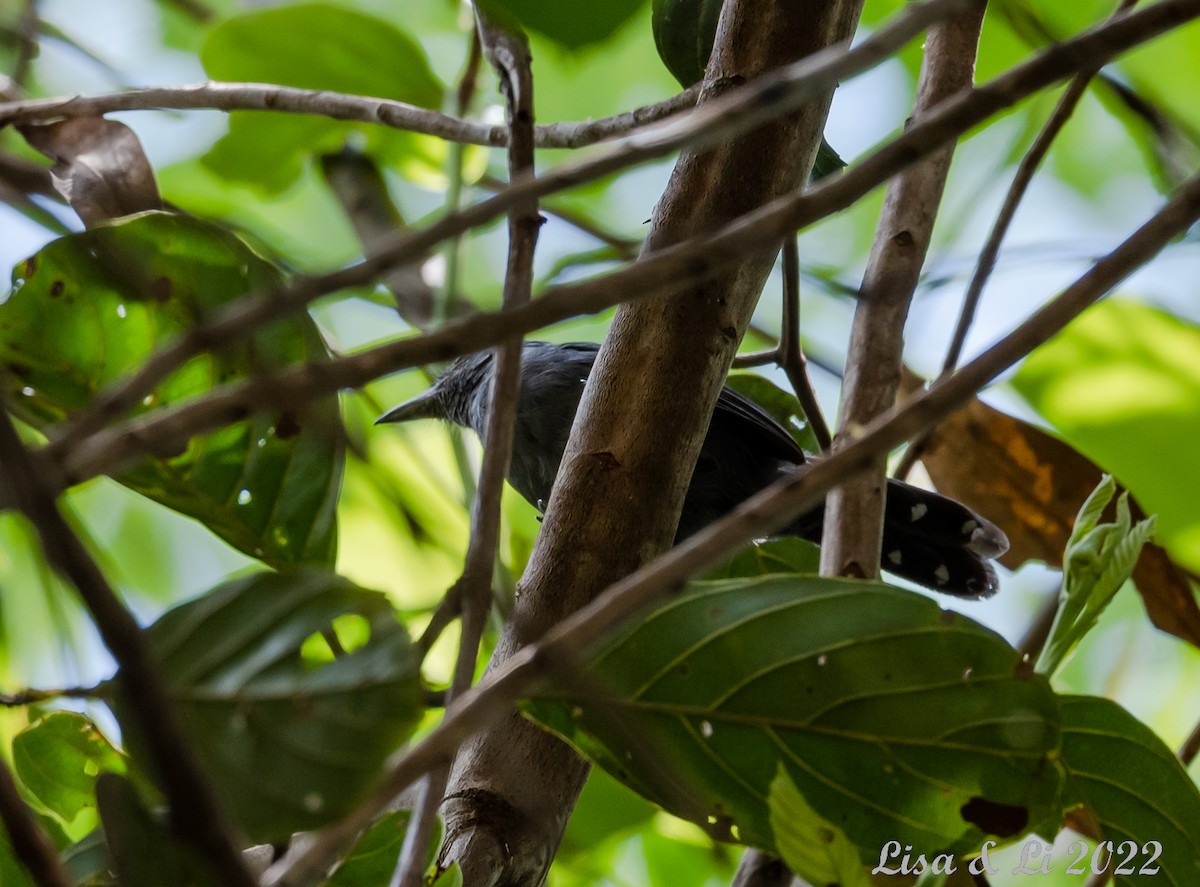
[
  {"x": 1032, "y": 485},
  {"x": 99, "y": 167}
]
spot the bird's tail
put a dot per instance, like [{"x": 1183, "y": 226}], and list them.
[{"x": 931, "y": 540}]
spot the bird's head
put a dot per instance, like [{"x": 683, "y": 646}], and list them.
[{"x": 457, "y": 395}]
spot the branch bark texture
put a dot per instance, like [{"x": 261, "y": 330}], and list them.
[
  {"x": 854, "y": 511},
  {"x": 617, "y": 499}
]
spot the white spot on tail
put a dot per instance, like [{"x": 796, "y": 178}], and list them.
[
  {"x": 941, "y": 574},
  {"x": 894, "y": 557},
  {"x": 918, "y": 511}
]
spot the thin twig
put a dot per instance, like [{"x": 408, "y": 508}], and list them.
[
  {"x": 791, "y": 354},
  {"x": 691, "y": 261},
  {"x": 508, "y": 52},
  {"x": 27, "y": 33},
  {"x": 1190, "y": 747},
  {"x": 755, "y": 518},
  {"x": 851, "y": 542},
  {"x": 626, "y": 247},
  {"x": 338, "y": 106},
  {"x": 730, "y": 114},
  {"x": 986, "y": 262},
  {"x": 196, "y": 816},
  {"x": 32, "y": 696},
  {"x": 29, "y": 841},
  {"x": 1012, "y": 200}
]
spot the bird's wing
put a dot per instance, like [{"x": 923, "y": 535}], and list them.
[
  {"x": 749, "y": 418},
  {"x": 753, "y": 421}
]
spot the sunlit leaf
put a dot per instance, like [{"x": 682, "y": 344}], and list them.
[
  {"x": 90, "y": 308},
  {"x": 895, "y": 719},
  {"x": 811, "y": 846},
  {"x": 290, "y": 744},
  {"x": 1030, "y": 484},
  {"x": 1122, "y": 384},
  {"x": 58, "y": 757}
]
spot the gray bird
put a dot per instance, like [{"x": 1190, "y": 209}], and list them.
[{"x": 927, "y": 538}]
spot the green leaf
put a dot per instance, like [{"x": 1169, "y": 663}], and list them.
[
  {"x": 571, "y": 25},
  {"x": 143, "y": 850},
  {"x": 896, "y": 720},
  {"x": 312, "y": 46},
  {"x": 812, "y": 846},
  {"x": 1122, "y": 384},
  {"x": 684, "y": 32},
  {"x": 90, "y": 308},
  {"x": 1135, "y": 786},
  {"x": 1099, "y": 559},
  {"x": 58, "y": 757},
  {"x": 605, "y": 808},
  {"x": 12, "y": 873},
  {"x": 783, "y": 406},
  {"x": 372, "y": 859},
  {"x": 289, "y": 743},
  {"x": 787, "y": 554}
]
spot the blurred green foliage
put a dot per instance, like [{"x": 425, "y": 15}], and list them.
[{"x": 1122, "y": 384}]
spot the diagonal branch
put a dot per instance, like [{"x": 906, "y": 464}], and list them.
[
  {"x": 196, "y": 816},
  {"x": 688, "y": 262},
  {"x": 727, "y": 116},
  {"x": 774, "y": 221},
  {"x": 774, "y": 507}
]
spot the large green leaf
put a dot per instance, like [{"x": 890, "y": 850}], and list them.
[
  {"x": 895, "y": 719},
  {"x": 569, "y": 24},
  {"x": 1136, "y": 788},
  {"x": 312, "y": 46},
  {"x": 1122, "y": 385},
  {"x": 57, "y": 758},
  {"x": 289, "y": 741},
  {"x": 90, "y": 308}
]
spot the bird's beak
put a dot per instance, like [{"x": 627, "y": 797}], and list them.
[{"x": 423, "y": 406}]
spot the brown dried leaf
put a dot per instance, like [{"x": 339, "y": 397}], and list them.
[
  {"x": 1032, "y": 485},
  {"x": 99, "y": 167}
]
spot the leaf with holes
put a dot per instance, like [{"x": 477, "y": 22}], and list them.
[
  {"x": 289, "y": 740},
  {"x": 896, "y": 720},
  {"x": 1136, "y": 790},
  {"x": 90, "y": 308}
]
